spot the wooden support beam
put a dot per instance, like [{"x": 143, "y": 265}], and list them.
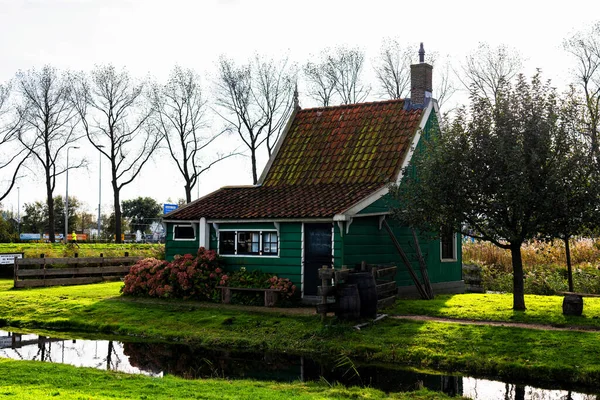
[
  {"x": 406, "y": 262},
  {"x": 422, "y": 265}
]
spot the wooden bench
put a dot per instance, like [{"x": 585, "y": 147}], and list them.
[{"x": 271, "y": 295}]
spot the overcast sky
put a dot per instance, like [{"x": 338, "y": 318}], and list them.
[{"x": 149, "y": 37}]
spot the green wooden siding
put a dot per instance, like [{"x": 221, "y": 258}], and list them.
[
  {"x": 175, "y": 247},
  {"x": 366, "y": 242},
  {"x": 287, "y": 265},
  {"x": 379, "y": 206}
]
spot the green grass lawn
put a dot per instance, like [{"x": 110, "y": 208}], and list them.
[
  {"x": 36, "y": 380},
  {"x": 505, "y": 352},
  {"x": 33, "y": 250},
  {"x": 498, "y": 307}
]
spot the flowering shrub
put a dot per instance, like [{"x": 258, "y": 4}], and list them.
[
  {"x": 143, "y": 276},
  {"x": 185, "y": 277}
]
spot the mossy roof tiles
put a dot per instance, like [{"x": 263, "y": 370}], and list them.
[{"x": 330, "y": 159}]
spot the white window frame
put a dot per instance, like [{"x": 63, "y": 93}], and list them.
[
  {"x": 260, "y": 250},
  {"x": 193, "y": 226},
  {"x": 454, "y": 250}
]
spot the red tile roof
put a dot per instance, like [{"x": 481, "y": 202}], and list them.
[
  {"x": 330, "y": 159},
  {"x": 283, "y": 201},
  {"x": 358, "y": 143}
]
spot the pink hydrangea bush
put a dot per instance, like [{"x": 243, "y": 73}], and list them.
[
  {"x": 144, "y": 276},
  {"x": 187, "y": 276},
  {"x": 286, "y": 287}
]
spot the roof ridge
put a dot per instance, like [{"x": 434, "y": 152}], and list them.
[{"x": 353, "y": 105}]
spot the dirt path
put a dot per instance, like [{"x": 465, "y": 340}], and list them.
[
  {"x": 497, "y": 323},
  {"x": 312, "y": 311}
]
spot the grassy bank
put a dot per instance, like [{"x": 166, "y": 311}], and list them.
[
  {"x": 498, "y": 307},
  {"x": 510, "y": 353},
  {"x": 32, "y": 250},
  {"x": 28, "y": 380}
]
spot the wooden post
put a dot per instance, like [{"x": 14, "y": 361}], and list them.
[
  {"x": 406, "y": 262},
  {"x": 422, "y": 265},
  {"x": 44, "y": 267},
  {"x": 324, "y": 284},
  {"x": 16, "y": 271}
]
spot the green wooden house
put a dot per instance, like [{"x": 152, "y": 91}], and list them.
[{"x": 323, "y": 197}]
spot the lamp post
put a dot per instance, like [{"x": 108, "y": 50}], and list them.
[
  {"x": 67, "y": 196},
  {"x": 99, "y": 185},
  {"x": 19, "y": 210}
]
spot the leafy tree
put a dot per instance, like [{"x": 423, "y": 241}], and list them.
[
  {"x": 576, "y": 185},
  {"x": 8, "y": 227},
  {"x": 109, "y": 226},
  {"x": 141, "y": 212},
  {"x": 491, "y": 174},
  {"x": 36, "y": 218},
  {"x": 33, "y": 220}
]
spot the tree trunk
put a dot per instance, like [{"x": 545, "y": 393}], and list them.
[
  {"x": 50, "y": 203},
  {"x": 188, "y": 192},
  {"x": 518, "y": 284},
  {"x": 519, "y": 392},
  {"x": 569, "y": 267},
  {"x": 117, "y": 207},
  {"x": 253, "y": 158}
]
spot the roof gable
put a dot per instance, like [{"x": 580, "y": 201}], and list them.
[{"x": 358, "y": 143}]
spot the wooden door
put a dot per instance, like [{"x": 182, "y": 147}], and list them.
[{"x": 317, "y": 252}]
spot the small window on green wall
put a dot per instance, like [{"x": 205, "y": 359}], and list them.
[
  {"x": 448, "y": 244},
  {"x": 184, "y": 232}
]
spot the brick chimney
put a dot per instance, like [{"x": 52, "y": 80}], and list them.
[{"x": 420, "y": 80}]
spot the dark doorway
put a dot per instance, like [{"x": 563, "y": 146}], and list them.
[{"x": 317, "y": 252}]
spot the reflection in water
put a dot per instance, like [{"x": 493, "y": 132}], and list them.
[{"x": 156, "y": 359}]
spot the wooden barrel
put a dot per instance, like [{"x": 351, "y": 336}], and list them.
[
  {"x": 367, "y": 290},
  {"x": 348, "y": 300},
  {"x": 573, "y": 305}
]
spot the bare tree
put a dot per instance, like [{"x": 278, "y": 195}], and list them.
[
  {"x": 584, "y": 46},
  {"x": 338, "y": 72},
  {"x": 321, "y": 86},
  {"x": 116, "y": 119},
  {"x": 11, "y": 156},
  {"x": 392, "y": 70},
  {"x": 256, "y": 100},
  {"x": 487, "y": 69},
  {"x": 180, "y": 112},
  {"x": 49, "y": 126}
]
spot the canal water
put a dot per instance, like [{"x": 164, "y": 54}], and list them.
[{"x": 158, "y": 359}]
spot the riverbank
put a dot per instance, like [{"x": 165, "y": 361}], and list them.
[
  {"x": 509, "y": 353},
  {"x": 37, "y": 380}
]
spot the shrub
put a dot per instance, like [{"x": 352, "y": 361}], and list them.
[
  {"x": 143, "y": 277},
  {"x": 185, "y": 277},
  {"x": 260, "y": 280}
]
